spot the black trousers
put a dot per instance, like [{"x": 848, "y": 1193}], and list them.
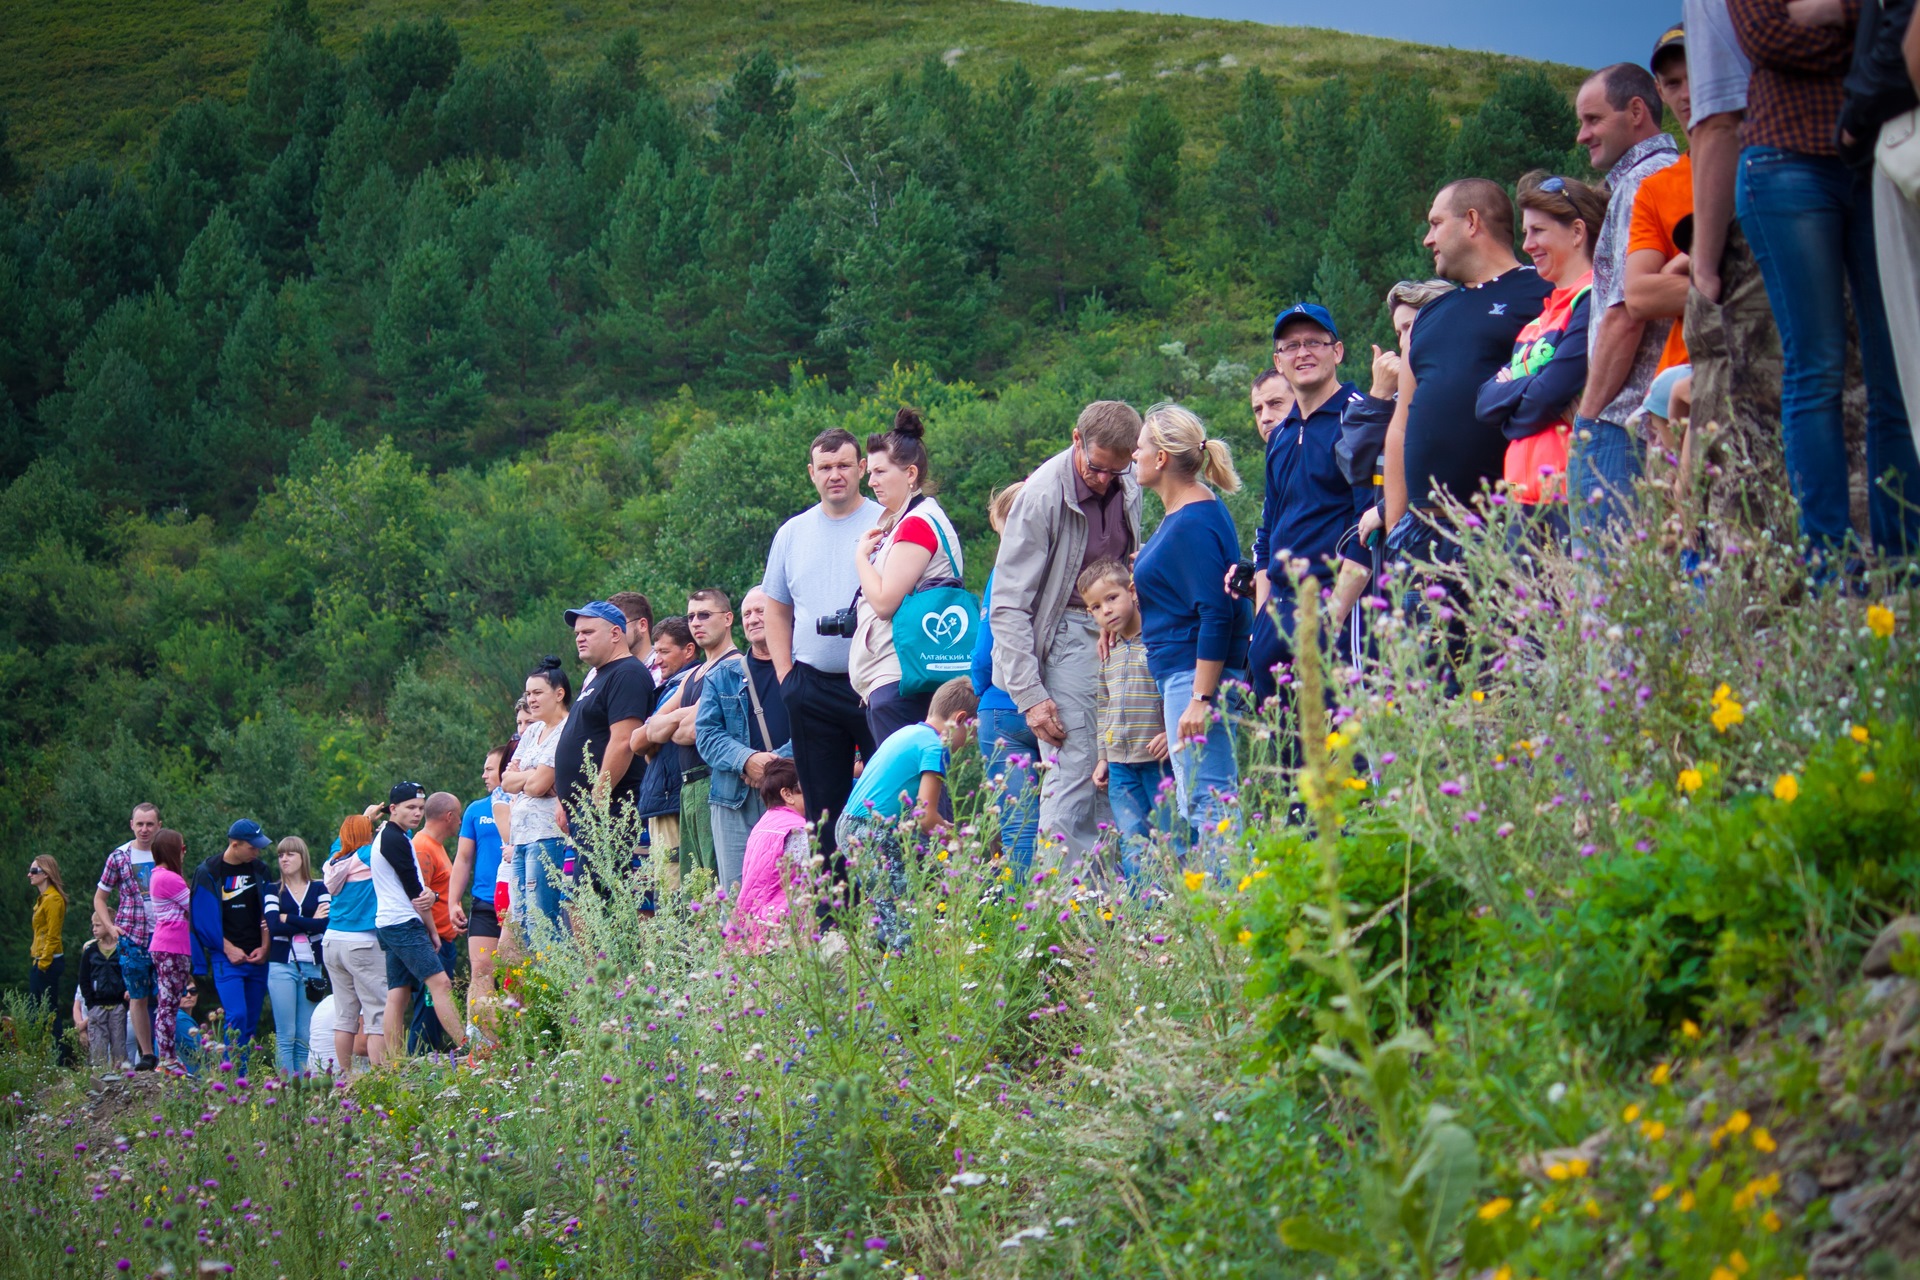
[{"x": 828, "y": 725}]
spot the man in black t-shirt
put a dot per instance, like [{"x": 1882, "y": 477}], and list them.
[
  {"x": 599, "y": 730},
  {"x": 228, "y": 917}
]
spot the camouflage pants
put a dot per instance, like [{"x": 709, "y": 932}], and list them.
[{"x": 1737, "y": 370}]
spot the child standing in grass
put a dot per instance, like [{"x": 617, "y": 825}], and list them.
[
  {"x": 905, "y": 780},
  {"x": 1132, "y": 736},
  {"x": 778, "y": 855},
  {"x": 104, "y": 993}
]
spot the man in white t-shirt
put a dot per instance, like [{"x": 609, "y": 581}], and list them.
[{"x": 810, "y": 577}]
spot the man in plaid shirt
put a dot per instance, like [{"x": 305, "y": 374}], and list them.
[{"x": 121, "y": 903}]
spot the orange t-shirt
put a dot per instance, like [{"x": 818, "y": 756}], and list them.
[
  {"x": 438, "y": 869},
  {"x": 1664, "y": 200}
]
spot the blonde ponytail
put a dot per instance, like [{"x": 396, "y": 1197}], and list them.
[{"x": 1217, "y": 467}]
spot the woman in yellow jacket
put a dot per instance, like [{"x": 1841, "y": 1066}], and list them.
[{"x": 49, "y": 918}]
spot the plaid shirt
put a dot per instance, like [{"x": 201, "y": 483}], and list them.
[
  {"x": 132, "y": 915},
  {"x": 1794, "y": 98}
]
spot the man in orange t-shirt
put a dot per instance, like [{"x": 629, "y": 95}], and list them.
[
  {"x": 1662, "y": 229},
  {"x": 441, "y": 824}
]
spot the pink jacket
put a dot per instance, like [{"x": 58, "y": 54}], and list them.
[{"x": 763, "y": 882}]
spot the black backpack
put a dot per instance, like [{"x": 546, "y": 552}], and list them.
[{"x": 104, "y": 976}]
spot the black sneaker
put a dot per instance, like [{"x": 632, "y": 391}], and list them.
[{"x": 147, "y": 1062}]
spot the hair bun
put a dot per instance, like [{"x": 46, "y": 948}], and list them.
[
  {"x": 907, "y": 423},
  {"x": 550, "y": 663}
]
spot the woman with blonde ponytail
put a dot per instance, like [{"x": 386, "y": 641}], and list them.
[{"x": 1196, "y": 634}]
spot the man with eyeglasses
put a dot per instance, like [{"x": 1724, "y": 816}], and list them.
[
  {"x": 710, "y": 619},
  {"x": 1311, "y": 509},
  {"x": 597, "y": 737},
  {"x": 1620, "y": 110},
  {"x": 1078, "y": 507}
]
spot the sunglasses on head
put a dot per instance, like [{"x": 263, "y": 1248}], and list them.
[{"x": 1554, "y": 186}]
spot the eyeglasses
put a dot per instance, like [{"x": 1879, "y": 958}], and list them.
[
  {"x": 1304, "y": 344},
  {"x": 703, "y": 616},
  {"x": 1086, "y": 460},
  {"x": 35, "y": 871},
  {"x": 1553, "y": 186}
]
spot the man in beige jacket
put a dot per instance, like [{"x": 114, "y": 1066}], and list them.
[{"x": 1079, "y": 506}]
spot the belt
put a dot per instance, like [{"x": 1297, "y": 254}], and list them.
[{"x": 699, "y": 773}]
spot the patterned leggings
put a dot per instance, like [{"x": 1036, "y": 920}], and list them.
[{"x": 171, "y": 974}]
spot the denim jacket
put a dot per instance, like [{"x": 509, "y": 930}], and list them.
[{"x": 721, "y": 732}]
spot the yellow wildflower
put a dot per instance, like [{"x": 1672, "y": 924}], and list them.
[
  {"x": 1727, "y": 715},
  {"x": 1558, "y": 1172},
  {"x": 1662, "y": 1191},
  {"x": 1690, "y": 1029},
  {"x": 1504, "y": 1273},
  {"x": 1356, "y": 784},
  {"x": 1223, "y": 826},
  {"x": 1858, "y": 733},
  {"x": 1578, "y": 1167},
  {"x": 1073, "y": 905},
  {"x": 1686, "y": 1202},
  {"x": 1722, "y": 694},
  {"x": 1478, "y": 696},
  {"x": 1335, "y": 741},
  {"x": 1738, "y": 1261},
  {"x": 1242, "y": 886},
  {"x": 1786, "y": 788},
  {"x": 1738, "y": 1122},
  {"x": 1246, "y": 937},
  {"x": 1691, "y": 781},
  {"x": 1721, "y": 1273},
  {"x": 1880, "y": 620},
  {"x": 1592, "y": 1207},
  {"x": 1194, "y": 880},
  {"x": 1631, "y": 1114},
  {"x": 1494, "y": 1208},
  {"x": 1661, "y": 1074},
  {"x": 1652, "y": 1130},
  {"x": 1866, "y": 777},
  {"x": 1107, "y": 914},
  {"x": 1770, "y": 1220},
  {"x": 1763, "y": 1141}
]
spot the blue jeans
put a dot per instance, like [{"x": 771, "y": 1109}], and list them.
[
  {"x": 423, "y": 1024},
  {"x": 292, "y": 1012},
  {"x": 1205, "y": 773},
  {"x": 1142, "y": 807},
  {"x": 1603, "y": 461},
  {"x": 1010, "y": 749},
  {"x": 544, "y": 894},
  {"x": 242, "y": 989},
  {"x": 1810, "y": 222}
]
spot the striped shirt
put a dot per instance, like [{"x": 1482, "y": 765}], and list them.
[{"x": 1129, "y": 707}]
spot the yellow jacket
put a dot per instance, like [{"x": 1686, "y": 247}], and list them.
[{"x": 49, "y": 918}]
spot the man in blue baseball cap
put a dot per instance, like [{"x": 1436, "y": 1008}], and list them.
[
  {"x": 597, "y": 738},
  {"x": 227, "y": 914},
  {"x": 1311, "y": 509}
]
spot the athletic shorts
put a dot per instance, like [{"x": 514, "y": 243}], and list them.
[
  {"x": 410, "y": 953},
  {"x": 136, "y": 969},
  {"x": 359, "y": 984},
  {"x": 483, "y": 921}
]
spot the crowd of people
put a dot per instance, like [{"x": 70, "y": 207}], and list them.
[{"x": 1683, "y": 322}]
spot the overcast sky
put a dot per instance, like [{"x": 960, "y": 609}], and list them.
[{"x": 1580, "y": 34}]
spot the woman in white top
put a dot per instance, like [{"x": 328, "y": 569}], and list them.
[
  {"x": 912, "y": 545},
  {"x": 539, "y": 846}
]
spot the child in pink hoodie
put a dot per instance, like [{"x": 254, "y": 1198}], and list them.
[{"x": 779, "y": 855}]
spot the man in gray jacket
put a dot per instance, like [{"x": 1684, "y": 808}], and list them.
[{"x": 1078, "y": 507}]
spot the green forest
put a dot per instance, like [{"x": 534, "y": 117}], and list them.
[{"x": 322, "y": 395}]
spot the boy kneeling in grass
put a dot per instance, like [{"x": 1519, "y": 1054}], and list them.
[
  {"x": 906, "y": 779},
  {"x": 1130, "y": 724}
]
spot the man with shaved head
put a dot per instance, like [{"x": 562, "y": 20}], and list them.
[
  {"x": 441, "y": 824},
  {"x": 1436, "y": 443}
]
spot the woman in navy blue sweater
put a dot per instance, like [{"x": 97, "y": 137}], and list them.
[
  {"x": 297, "y": 911},
  {"x": 1195, "y": 633}
]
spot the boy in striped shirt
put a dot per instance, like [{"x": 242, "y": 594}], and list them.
[{"x": 1131, "y": 761}]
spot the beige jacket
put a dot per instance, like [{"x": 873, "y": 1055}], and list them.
[
  {"x": 872, "y": 660},
  {"x": 1040, "y": 553}
]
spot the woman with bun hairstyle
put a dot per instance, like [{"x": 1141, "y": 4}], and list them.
[
  {"x": 1196, "y": 634},
  {"x": 539, "y": 846},
  {"x": 913, "y": 545}
]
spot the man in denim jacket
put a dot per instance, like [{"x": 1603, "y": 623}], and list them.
[{"x": 740, "y": 726}]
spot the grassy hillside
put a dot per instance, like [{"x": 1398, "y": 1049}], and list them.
[{"x": 96, "y": 79}]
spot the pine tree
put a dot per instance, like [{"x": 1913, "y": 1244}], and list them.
[
  {"x": 422, "y": 344},
  {"x": 784, "y": 305},
  {"x": 525, "y": 326},
  {"x": 1154, "y": 140},
  {"x": 411, "y": 58},
  {"x": 218, "y": 277},
  {"x": 280, "y": 209},
  {"x": 907, "y": 296},
  {"x": 494, "y": 108},
  {"x": 1070, "y": 223},
  {"x": 1525, "y": 123}
]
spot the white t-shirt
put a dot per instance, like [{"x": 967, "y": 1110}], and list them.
[
  {"x": 393, "y": 859},
  {"x": 1717, "y": 67},
  {"x": 536, "y": 817}
]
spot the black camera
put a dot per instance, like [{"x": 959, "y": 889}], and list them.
[
  {"x": 837, "y": 624},
  {"x": 1241, "y": 583}
]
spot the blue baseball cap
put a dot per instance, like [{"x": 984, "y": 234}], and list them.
[
  {"x": 598, "y": 609},
  {"x": 249, "y": 830},
  {"x": 1306, "y": 311}
]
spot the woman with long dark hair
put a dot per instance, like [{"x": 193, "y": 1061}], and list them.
[
  {"x": 172, "y": 945},
  {"x": 297, "y": 909},
  {"x": 913, "y": 545},
  {"x": 534, "y": 816}
]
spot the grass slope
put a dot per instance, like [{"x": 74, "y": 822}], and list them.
[{"x": 96, "y": 78}]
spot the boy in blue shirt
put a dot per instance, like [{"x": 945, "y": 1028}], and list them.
[{"x": 906, "y": 779}]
